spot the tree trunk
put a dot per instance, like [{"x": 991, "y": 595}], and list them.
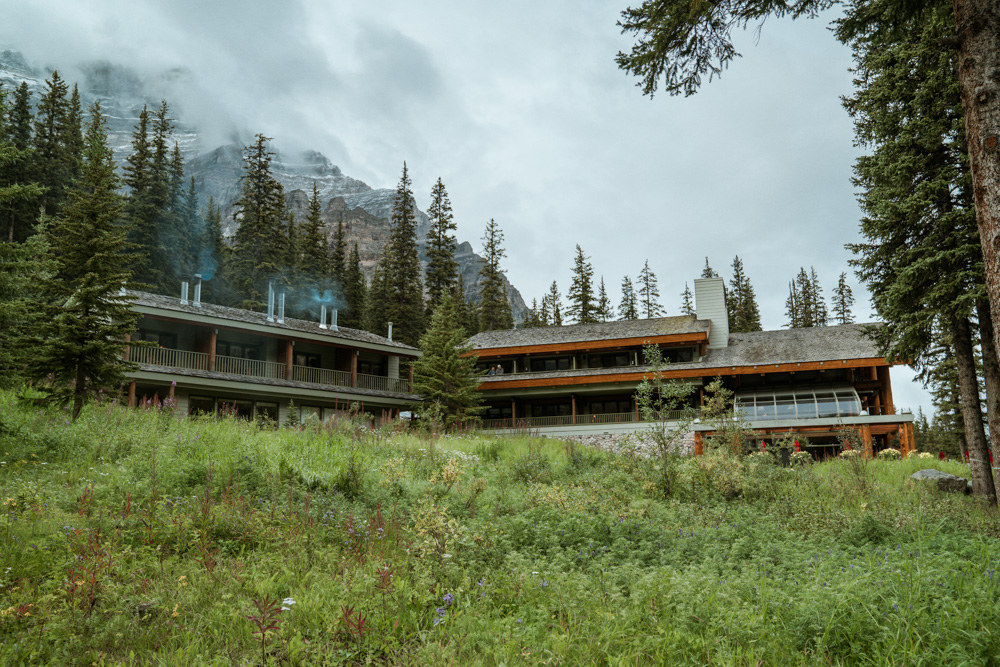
[
  {"x": 991, "y": 377},
  {"x": 977, "y": 27},
  {"x": 968, "y": 387}
]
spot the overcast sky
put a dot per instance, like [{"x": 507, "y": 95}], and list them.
[{"x": 520, "y": 109}]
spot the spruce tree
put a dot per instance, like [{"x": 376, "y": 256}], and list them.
[
  {"x": 54, "y": 164},
  {"x": 708, "y": 272},
  {"x": 257, "y": 252},
  {"x": 73, "y": 135},
  {"x": 213, "y": 257},
  {"x": 843, "y": 299},
  {"x": 21, "y": 214},
  {"x": 81, "y": 340},
  {"x": 313, "y": 260},
  {"x": 628, "y": 308},
  {"x": 442, "y": 269},
  {"x": 494, "y": 308},
  {"x": 338, "y": 252},
  {"x": 552, "y": 304},
  {"x": 687, "y": 301},
  {"x": 23, "y": 266},
  {"x": 376, "y": 304},
  {"x": 582, "y": 306},
  {"x": 401, "y": 268},
  {"x": 744, "y": 314},
  {"x": 820, "y": 312},
  {"x": 921, "y": 257},
  {"x": 468, "y": 312},
  {"x": 649, "y": 293},
  {"x": 793, "y": 306},
  {"x": 446, "y": 376},
  {"x": 355, "y": 292},
  {"x": 533, "y": 318},
  {"x": 16, "y": 186},
  {"x": 605, "y": 311}
]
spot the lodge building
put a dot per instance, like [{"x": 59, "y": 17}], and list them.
[
  {"x": 207, "y": 358},
  {"x": 813, "y": 383}
]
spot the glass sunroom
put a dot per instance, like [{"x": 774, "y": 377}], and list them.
[{"x": 798, "y": 403}]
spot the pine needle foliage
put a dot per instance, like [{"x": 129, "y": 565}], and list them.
[
  {"x": 687, "y": 301},
  {"x": 494, "y": 308},
  {"x": 843, "y": 299},
  {"x": 582, "y": 304},
  {"x": 442, "y": 269},
  {"x": 649, "y": 293},
  {"x": 744, "y": 314},
  {"x": 628, "y": 308},
  {"x": 404, "y": 288},
  {"x": 81, "y": 338},
  {"x": 446, "y": 376}
]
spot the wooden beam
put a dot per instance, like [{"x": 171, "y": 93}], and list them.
[
  {"x": 354, "y": 368},
  {"x": 131, "y": 394},
  {"x": 866, "y": 440},
  {"x": 572, "y": 398},
  {"x": 289, "y": 356},
  {"x": 212, "y": 341},
  {"x": 699, "y": 447},
  {"x": 886, "y": 389}
]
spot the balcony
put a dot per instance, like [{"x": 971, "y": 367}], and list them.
[
  {"x": 579, "y": 420},
  {"x": 252, "y": 368}
]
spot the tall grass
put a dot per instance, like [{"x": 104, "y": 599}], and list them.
[{"x": 132, "y": 537}]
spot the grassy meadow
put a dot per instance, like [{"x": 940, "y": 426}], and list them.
[{"x": 131, "y": 537}]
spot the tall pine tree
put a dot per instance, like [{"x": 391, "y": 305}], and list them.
[
  {"x": 605, "y": 311},
  {"x": 628, "y": 308},
  {"x": 744, "y": 314},
  {"x": 494, "y": 308},
  {"x": 54, "y": 162},
  {"x": 687, "y": 301},
  {"x": 843, "y": 299},
  {"x": 582, "y": 305},
  {"x": 649, "y": 293},
  {"x": 355, "y": 291},
  {"x": 81, "y": 340},
  {"x": 442, "y": 269},
  {"x": 401, "y": 267}
]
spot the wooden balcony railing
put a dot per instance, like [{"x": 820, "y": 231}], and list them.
[
  {"x": 321, "y": 376},
  {"x": 579, "y": 420},
  {"x": 161, "y": 356},
  {"x": 381, "y": 383},
  {"x": 251, "y": 367}
]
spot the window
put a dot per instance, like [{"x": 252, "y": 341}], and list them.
[
  {"x": 307, "y": 359},
  {"x": 551, "y": 410},
  {"x": 201, "y": 405},
  {"x": 236, "y": 408},
  {"x": 610, "y": 360},
  {"x": 163, "y": 339},
  {"x": 539, "y": 365},
  {"x": 499, "y": 413},
  {"x": 309, "y": 413},
  {"x": 372, "y": 368},
  {"x": 267, "y": 412},
  {"x": 238, "y": 350}
]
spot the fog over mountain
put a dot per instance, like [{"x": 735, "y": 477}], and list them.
[{"x": 363, "y": 210}]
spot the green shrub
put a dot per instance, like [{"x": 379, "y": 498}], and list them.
[{"x": 532, "y": 467}]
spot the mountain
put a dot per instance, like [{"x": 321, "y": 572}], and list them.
[{"x": 217, "y": 167}]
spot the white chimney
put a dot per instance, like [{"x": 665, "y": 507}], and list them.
[
  {"x": 184, "y": 291},
  {"x": 710, "y": 304},
  {"x": 390, "y": 330},
  {"x": 197, "y": 291},
  {"x": 270, "y": 301},
  {"x": 322, "y": 316},
  {"x": 333, "y": 320},
  {"x": 281, "y": 306}
]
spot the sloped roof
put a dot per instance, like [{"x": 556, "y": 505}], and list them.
[
  {"x": 250, "y": 317},
  {"x": 595, "y": 331}
]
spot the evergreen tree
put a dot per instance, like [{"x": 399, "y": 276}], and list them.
[
  {"x": 73, "y": 137},
  {"x": 313, "y": 260},
  {"x": 193, "y": 227},
  {"x": 338, "y": 252},
  {"x": 920, "y": 258},
  {"x": 376, "y": 304},
  {"x": 628, "y": 309},
  {"x": 401, "y": 268},
  {"x": 16, "y": 187},
  {"x": 442, "y": 269},
  {"x": 20, "y": 214},
  {"x": 446, "y": 376},
  {"x": 687, "y": 301},
  {"x": 290, "y": 249},
  {"x": 605, "y": 311},
  {"x": 552, "y": 304},
  {"x": 843, "y": 299},
  {"x": 820, "y": 312},
  {"x": 533, "y": 318},
  {"x": 54, "y": 164},
  {"x": 81, "y": 340},
  {"x": 355, "y": 291},
  {"x": 468, "y": 312},
  {"x": 793, "y": 306},
  {"x": 257, "y": 251},
  {"x": 649, "y": 293},
  {"x": 582, "y": 306},
  {"x": 744, "y": 315},
  {"x": 494, "y": 308},
  {"x": 23, "y": 267},
  {"x": 708, "y": 271},
  {"x": 213, "y": 257}
]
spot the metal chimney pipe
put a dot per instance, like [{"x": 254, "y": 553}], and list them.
[
  {"x": 270, "y": 301},
  {"x": 184, "y": 291},
  {"x": 281, "y": 306},
  {"x": 322, "y": 316},
  {"x": 197, "y": 291},
  {"x": 390, "y": 330},
  {"x": 333, "y": 321}
]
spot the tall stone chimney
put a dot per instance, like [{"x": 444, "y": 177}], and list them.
[
  {"x": 197, "y": 291},
  {"x": 710, "y": 304},
  {"x": 322, "y": 316},
  {"x": 184, "y": 290},
  {"x": 270, "y": 301}
]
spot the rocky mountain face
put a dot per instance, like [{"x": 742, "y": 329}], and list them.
[{"x": 365, "y": 211}]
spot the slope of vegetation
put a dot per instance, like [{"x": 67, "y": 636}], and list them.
[{"x": 130, "y": 537}]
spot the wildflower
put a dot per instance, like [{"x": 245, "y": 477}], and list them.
[
  {"x": 183, "y": 580},
  {"x": 175, "y": 610},
  {"x": 288, "y": 601},
  {"x": 448, "y": 598}
]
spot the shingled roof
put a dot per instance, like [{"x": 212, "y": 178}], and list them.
[
  {"x": 594, "y": 331},
  {"x": 250, "y": 317},
  {"x": 758, "y": 348}
]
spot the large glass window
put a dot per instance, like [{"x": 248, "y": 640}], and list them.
[
  {"x": 798, "y": 403},
  {"x": 238, "y": 350},
  {"x": 201, "y": 405},
  {"x": 306, "y": 359},
  {"x": 161, "y": 338},
  {"x": 550, "y": 364}
]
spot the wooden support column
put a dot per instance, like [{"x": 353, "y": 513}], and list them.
[
  {"x": 572, "y": 399},
  {"x": 886, "y": 390},
  {"x": 289, "y": 358},
  {"x": 213, "y": 340},
  {"x": 635, "y": 406},
  {"x": 699, "y": 446},
  {"x": 354, "y": 368},
  {"x": 409, "y": 373},
  {"x": 513, "y": 413},
  {"x": 866, "y": 441},
  {"x": 131, "y": 394}
]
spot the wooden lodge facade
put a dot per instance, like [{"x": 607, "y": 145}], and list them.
[
  {"x": 207, "y": 358},
  {"x": 814, "y": 384}
]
